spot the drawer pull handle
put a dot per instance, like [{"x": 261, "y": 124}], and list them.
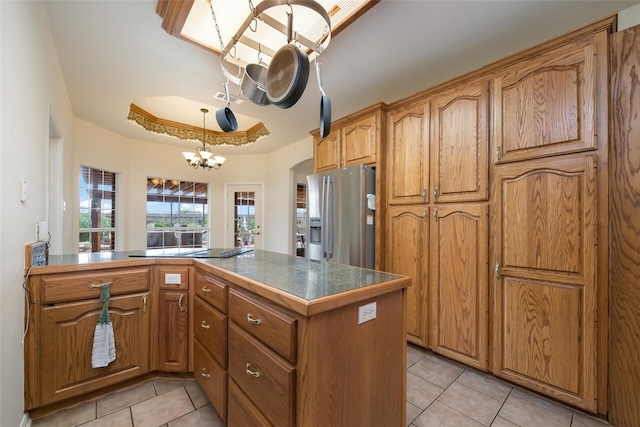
[
  {"x": 204, "y": 373},
  {"x": 206, "y": 290},
  {"x": 204, "y": 324},
  {"x": 254, "y": 374},
  {"x": 101, "y": 285},
  {"x": 252, "y": 320}
]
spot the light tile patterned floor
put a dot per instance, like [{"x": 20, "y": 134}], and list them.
[{"x": 440, "y": 393}]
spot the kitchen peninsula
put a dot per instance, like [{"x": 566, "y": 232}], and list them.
[{"x": 273, "y": 339}]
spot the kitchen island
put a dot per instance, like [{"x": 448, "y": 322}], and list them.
[{"x": 273, "y": 339}]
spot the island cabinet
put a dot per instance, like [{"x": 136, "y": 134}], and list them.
[
  {"x": 173, "y": 319},
  {"x": 210, "y": 333},
  {"x": 355, "y": 139},
  {"x": 291, "y": 363},
  {"x": 63, "y": 311}
]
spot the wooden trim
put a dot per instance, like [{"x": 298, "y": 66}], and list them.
[{"x": 174, "y": 14}]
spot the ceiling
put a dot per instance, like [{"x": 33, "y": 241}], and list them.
[{"x": 114, "y": 52}]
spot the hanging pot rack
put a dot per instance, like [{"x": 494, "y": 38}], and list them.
[{"x": 258, "y": 13}]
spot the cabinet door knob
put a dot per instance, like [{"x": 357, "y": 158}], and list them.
[
  {"x": 205, "y": 325},
  {"x": 206, "y": 290},
  {"x": 252, "y": 320},
  {"x": 204, "y": 373},
  {"x": 144, "y": 303},
  {"x": 180, "y": 302},
  {"x": 497, "y": 271},
  {"x": 254, "y": 374}
]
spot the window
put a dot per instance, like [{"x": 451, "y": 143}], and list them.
[
  {"x": 177, "y": 214},
  {"x": 97, "y": 210}
]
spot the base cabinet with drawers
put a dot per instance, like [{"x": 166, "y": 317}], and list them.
[
  {"x": 284, "y": 368},
  {"x": 210, "y": 338}
]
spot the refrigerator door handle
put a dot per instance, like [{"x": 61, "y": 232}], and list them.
[{"x": 329, "y": 219}]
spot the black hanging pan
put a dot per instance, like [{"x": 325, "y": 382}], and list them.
[
  {"x": 225, "y": 117},
  {"x": 325, "y": 106},
  {"x": 288, "y": 73}
]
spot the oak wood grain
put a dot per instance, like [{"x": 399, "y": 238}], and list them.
[{"x": 624, "y": 272}]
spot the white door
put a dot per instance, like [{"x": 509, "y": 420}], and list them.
[{"x": 244, "y": 215}]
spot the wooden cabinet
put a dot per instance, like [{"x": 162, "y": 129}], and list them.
[
  {"x": 210, "y": 337},
  {"x": 546, "y": 105},
  {"x": 173, "y": 319},
  {"x": 63, "y": 315},
  {"x": 458, "y": 289},
  {"x": 408, "y": 254},
  {"x": 544, "y": 217},
  {"x": 459, "y": 144},
  {"x": 354, "y": 140},
  {"x": 407, "y": 154}
]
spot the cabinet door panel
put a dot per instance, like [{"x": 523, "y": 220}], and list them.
[
  {"x": 67, "y": 343},
  {"x": 210, "y": 327},
  {"x": 459, "y": 170},
  {"x": 212, "y": 378},
  {"x": 546, "y": 106},
  {"x": 173, "y": 321},
  {"x": 545, "y": 278},
  {"x": 326, "y": 151},
  {"x": 359, "y": 142},
  {"x": 408, "y": 154},
  {"x": 407, "y": 254},
  {"x": 459, "y": 283}
]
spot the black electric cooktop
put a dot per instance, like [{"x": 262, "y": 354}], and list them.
[{"x": 192, "y": 253}]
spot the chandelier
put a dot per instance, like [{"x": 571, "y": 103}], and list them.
[{"x": 203, "y": 157}]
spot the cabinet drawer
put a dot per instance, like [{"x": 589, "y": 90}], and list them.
[
  {"x": 212, "y": 378},
  {"x": 266, "y": 379},
  {"x": 212, "y": 289},
  {"x": 210, "y": 327},
  {"x": 242, "y": 413},
  {"x": 70, "y": 287},
  {"x": 270, "y": 325}
]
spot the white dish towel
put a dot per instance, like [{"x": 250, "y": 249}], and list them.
[{"x": 104, "y": 343}]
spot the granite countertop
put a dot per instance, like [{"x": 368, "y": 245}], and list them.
[{"x": 306, "y": 279}]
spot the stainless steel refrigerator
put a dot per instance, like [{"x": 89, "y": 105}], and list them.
[{"x": 341, "y": 216}]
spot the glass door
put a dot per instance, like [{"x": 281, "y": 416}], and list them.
[{"x": 244, "y": 215}]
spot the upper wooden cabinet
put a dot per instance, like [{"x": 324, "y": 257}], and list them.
[
  {"x": 408, "y": 154},
  {"x": 459, "y": 144},
  {"x": 546, "y": 105},
  {"x": 354, "y": 140}
]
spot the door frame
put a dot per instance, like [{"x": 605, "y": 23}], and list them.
[{"x": 256, "y": 187}]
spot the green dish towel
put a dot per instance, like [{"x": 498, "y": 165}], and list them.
[{"x": 104, "y": 344}]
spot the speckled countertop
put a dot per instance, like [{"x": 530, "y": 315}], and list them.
[{"x": 306, "y": 279}]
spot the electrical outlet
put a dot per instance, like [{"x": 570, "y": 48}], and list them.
[
  {"x": 366, "y": 312},
  {"x": 172, "y": 279}
]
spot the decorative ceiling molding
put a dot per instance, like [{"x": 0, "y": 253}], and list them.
[{"x": 193, "y": 133}]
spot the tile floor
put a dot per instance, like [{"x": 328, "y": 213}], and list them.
[{"x": 440, "y": 393}]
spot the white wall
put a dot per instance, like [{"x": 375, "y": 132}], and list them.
[
  {"x": 280, "y": 194},
  {"x": 31, "y": 88},
  {"x": 103, "y": 149}
]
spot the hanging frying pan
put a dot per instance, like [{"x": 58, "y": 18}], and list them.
[
  {"x": 325, "y": 106},
  {"x": 225, "y": 117},
  {"x": 288, "y": 73}
]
